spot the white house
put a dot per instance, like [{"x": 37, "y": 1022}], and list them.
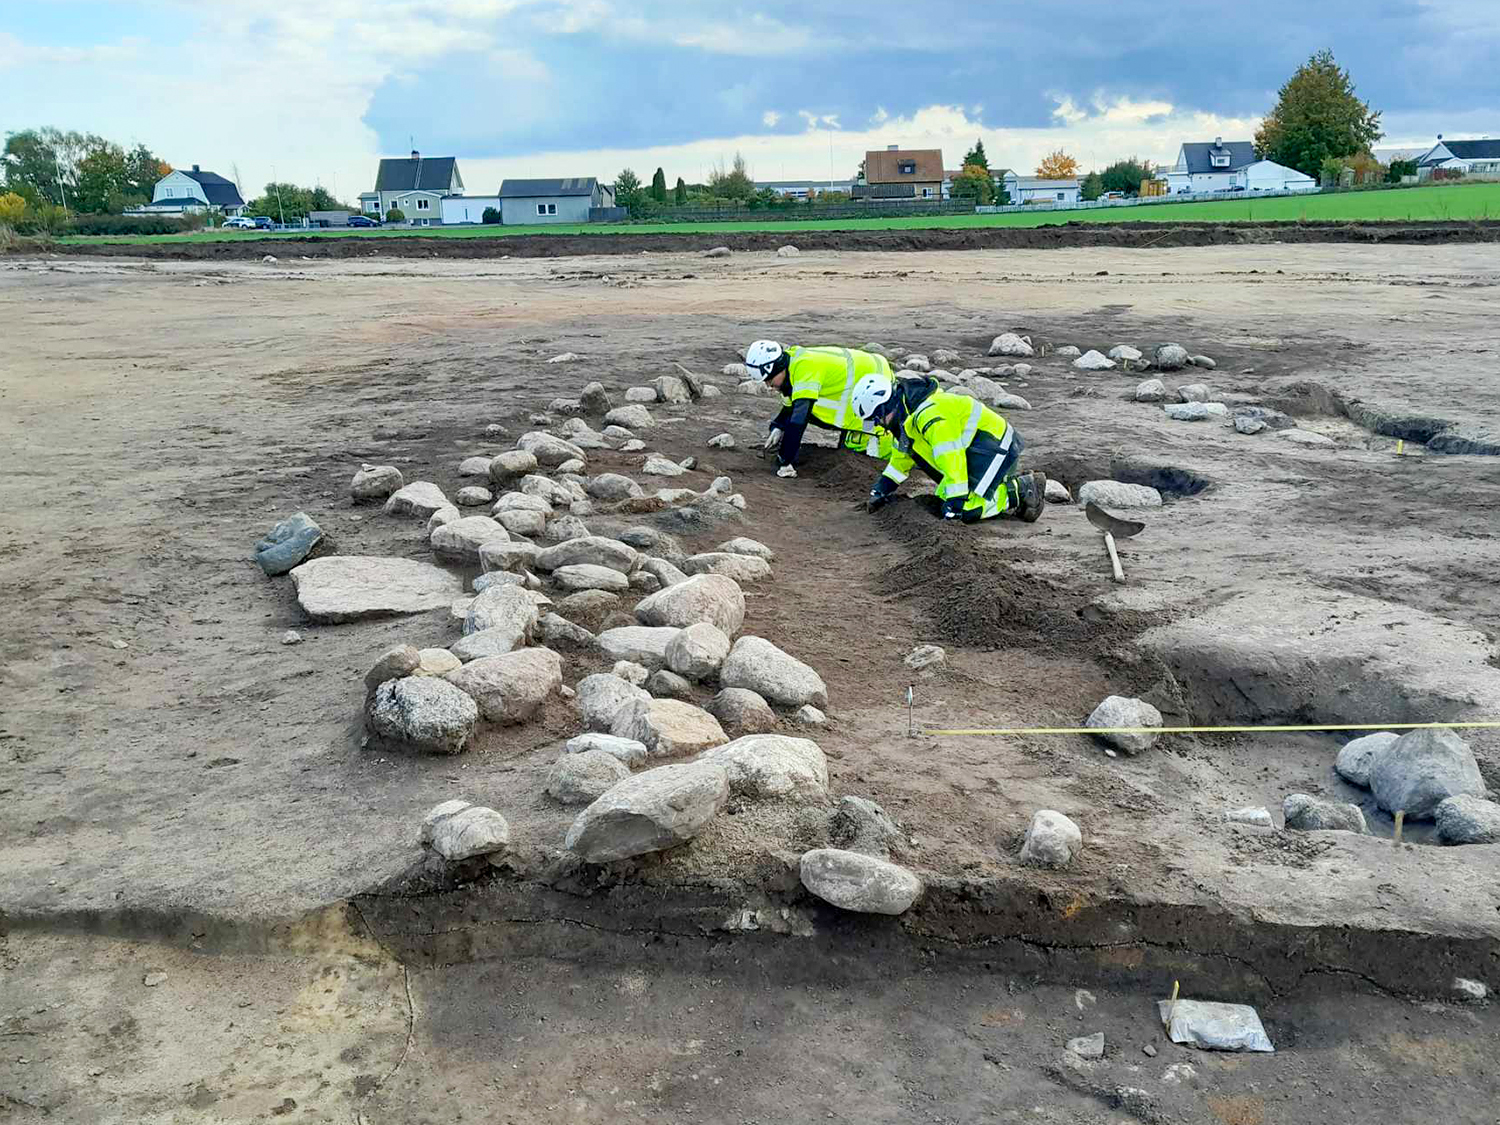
[
  {"x": 1481, "y": 157},
  {"x": 567, "y": 200},
  {"x": 1031, "y": 189},
  {"x": 416, "y": 186},
  {"x": 1203, "y": 166},
  {"x": 458, "y": 209},
  {"x": 1267, "y": 175},
  {"x": 180, "y": 192}
]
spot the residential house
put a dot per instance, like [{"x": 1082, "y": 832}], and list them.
[
  {"x": 1202, "y": 166},
  {"x": 1267, "y": 175},
  {"x": 897, "y": 173},
  {"x": 567, "y": 200},
  {"x": 1481, "y": 157},
  {"x": 182, "y": 191},
  {"x": 462, "y": 209},
  {"x": 1033, "y": 189},
  {"x": 416, "y": 185}
]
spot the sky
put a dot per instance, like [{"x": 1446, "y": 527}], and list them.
[{"x": 318, "y": 93}]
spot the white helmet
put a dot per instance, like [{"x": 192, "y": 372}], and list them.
[
  {"x": 760, "y": 356},
  {"x": 871, "y": 394}
]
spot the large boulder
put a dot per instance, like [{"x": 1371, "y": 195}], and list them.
[
  {"x": 1357, "y": 758},
  {"x": 670, "y": 728},
  {"x": 589, "y": 608},
  {"x": 1052, "y": 840},
  {"x": 287, "y": 544},
  {"x": 421, "y": 713},
  {"x": 587, "y": 576},
  {"x": 859, "y": 882},
  {"x": 698, "y": 651},
  {"x": 1306, "y": 813},
  {"x": 594, "y": 398},
  {"x": 632, "y": 416},
  {"x": 419, "y": 498},
  {"x": 1121, "y": 711},
  {"x": 1170, "y": 357},
  {"x": 611, "y": 487},
  {"x": 375, "y": 482},
  {"x": 742, "y": 711},
  {"x": 650, "y": 812},
  {"x": 1423, "y": 768},
  {"x": 460, "y": 540},
  {"x": 511, "y": 464},
  {"x": 1008, "y": 343},
  {"x": 755, "y": 663},
  {"x": 464, "y": 831},
  {"x": 339, "y": 588},
  {"x": 602, "y": 697},
  {"x": 1115, "y": 495},
  {"x": 1467, "y": 819},
  {"x": 510, "y": 688},
  {"x": 642, "y": 644},
  {"x": 741, "y": 568},
  {"x": 581, "y": 779},
  {"x": 627, "y": 750},
  {"x": 594, "y": 550},
  {"x": 499, "y": 554},
  {"x": 473, "y": 496},
  {"x": 476, "y": 466},
  {"x": 860, "y": 825},
  {"x": 507, "y": 611},
  {"x": 671, "y": 389},
  {"x": 549, "y": 449},
  {"x": 520, "y": 521},
  {"x": 774, "y": 767},
  {"x": 712, "y": 598}
]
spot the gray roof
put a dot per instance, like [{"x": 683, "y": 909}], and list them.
[
  {"x": 1198, "y": 153},
  {"x": 425, "y": 173},
  {"x": 1470, "y": 150},
  {"x": 219, "y": 191},
  {"x": 529, "y": 189}
]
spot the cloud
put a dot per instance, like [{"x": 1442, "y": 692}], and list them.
[
  {"x": 14, "y": 53},
  {"x": 770, "y": 118}
]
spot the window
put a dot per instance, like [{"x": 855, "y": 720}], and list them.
[
  {"x": 1062, "y": 196},
  {"x": 1221, "y": 161},
  {"x": 552, "y": 208},
  {"x": 424, "y": 204},
  {"x": 907, "y": 167},
  {"x": 541, "y": 208}
]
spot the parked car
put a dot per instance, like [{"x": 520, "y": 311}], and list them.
[
  {"x": 239, "y": 222},
  {"x": 264, "y": 223},
  {"x": 363, "y": 221}
]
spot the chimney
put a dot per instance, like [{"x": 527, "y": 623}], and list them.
[
  {"x": 892, "y": 148},
  {"x": 195, "y": 167},
  {"x": 1218, "y": 142},
  {"x": 415, "y": 155}
]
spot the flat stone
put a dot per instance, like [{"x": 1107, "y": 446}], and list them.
[
  {"x": 1088, "y": 1046},
  {"x": 560, "y": 529},
  {"x": 287, "y": 544},
  {"x": 924, "y": 656},
  {"x": 698, "y": 651},
  {"x": 1244, "y": 425},
  {"x": 1467, "y": 819},
  {"x": 581, "y": 779},
  {"x": 1057, "y": 492},
  {"x": 519, "y": 521},
  {"x": 663, "y": 684},
  {"x": 602, "y": 697},
  {"x": 510, "y": 688},
  {"x": 661, "y": 467},
  {"x": 1202, "y": 361},
  {"x": 477, "y": 466},
  {"x": 587, "y": 576},
  {"x": 500, "y": 555},
  {"x": 766, "y": 767},
  {"x": 339, "y": 588},
  {"x": 472, "y": 496},
  {"x": 521, "y": 502},
  {"x": 1256, "y": 816},
  {"x": 1124, "y": 352},
  {"x": 633, "y": 416},
  {"x": 1306, "y": 813},
  {"x": 1306, "y": 437},
  {"x": 755, "y": 663},
  {"x": 649, "y": 812},
  {"x": 375, "y": 482},
  {"x": 1469, "y": 991},
  {"x": 858, "y": 882},
  {"x": 594, "y": 550},
  {"x": 670, "y": 728},
  {"x": 1122, "y": 711},
  {"x": 460, "y": 540},
  {"x": 1420, "y": 770},
  {"x": 1113, "y": 495},
  {"x": 419, "y": 498},
  {"x": 1052, "y": 840},
  {"x": 421, "y": 713},
  {"x": 741, "y": 711},
  {"x": 1358, "y": 755},
  {"x": 628, "y": 750},
  {"x": 713, "y": 598},
  {"x": 553, "y": 629},
  {"x": 643, "y": 644},
  {"x": 591, "y": 607},
  {"x": 721, "y": 441},
  {"x": 549, "y": 449},
  {"x": 1194, "y": 411},
  {"x": 469, "y": 832},
  {"x": 741, "y": 568}
]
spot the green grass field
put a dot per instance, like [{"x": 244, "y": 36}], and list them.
[{"x": 1444, "y": 202}]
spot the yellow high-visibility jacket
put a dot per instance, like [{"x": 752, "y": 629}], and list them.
[
  {"x": 941, "y": 431},
  {"x": 827, "y": 376}
]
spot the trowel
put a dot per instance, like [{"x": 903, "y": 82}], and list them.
[{"x": 1113, "y": 527}]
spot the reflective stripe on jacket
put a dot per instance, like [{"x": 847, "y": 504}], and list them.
[
  {"x": 940, "y": 431},
  {"x": 827, "y": 375}
]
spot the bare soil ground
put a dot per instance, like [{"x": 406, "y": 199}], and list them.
[{"x": 168, "y": 769}]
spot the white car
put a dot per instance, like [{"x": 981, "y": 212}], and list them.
[{"x": 239, "y": 222}]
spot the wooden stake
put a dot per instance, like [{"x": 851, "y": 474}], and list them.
[
  {"x": 1400, "y": 820},
  {"x": 1114, "y": 557},
  {"x": 1171, "y": 1008}
]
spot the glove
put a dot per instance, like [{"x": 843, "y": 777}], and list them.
[
  {"x": 881, "y": 494},
  {"x": 786, "y": 471},
  {"x": 953, "y": 507},
  {"x": 773, "y": 440}
]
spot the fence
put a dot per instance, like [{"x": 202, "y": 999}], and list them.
[{"x": 874, "y": 209}]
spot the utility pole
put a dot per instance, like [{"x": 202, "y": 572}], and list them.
[
  {"x": 279, "y": 205},
  {"x": 57, "y": 164}
]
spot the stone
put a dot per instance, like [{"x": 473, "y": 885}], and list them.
[
  {"x": 669, "y": 727},
  {"x": 810, "y": 716},
  {"x": 787, "y": 251},
  {"x": 522, "y": 521},
  {"x": 1021, "y": 370},
  {"x": 860, "y": 825},
  {"x": 1202, "y": 361},
  {"x": 1306, "y": 437},
  {"x": 1358, "y": 755},
  {"x": 441, "y": 518},
  {"x": 469, "y": 832},
  {"x": 717, "y": 252},
  {"x": 1121, "y": 711},
  {"x": 339, "y": 588},
  {"x": 1088, "y": 1046},
  {"x": 375, "y": 482},
  {"x": 635, "y": 445},
  {"x": 560, "y": 529},
  {"x": 1258, "y": 817},
  {"x": 489, "y": 642},
  {"x": 858, "y": 882},
  {"x": 1057, "y": 492},
  {"x": 392, "y": 665},
  {"x": 574, "y": 467},
  {"x": 587, "y": 576},
  {"x": 668, "y": 685},
  {"x": 1244, "y": 425},
  {"x": 661, "y": 467},
  {"x": 697, "y": 651},
  {"x": 460, "y": 540},
  {"x": 565, "y": 407},
  {"x": 553, "y": 629},
  {"x": 1067, "y": 351},
  {"x": 591, "y": 550},
  {"x": 643, "y": 644},
  {"x": 626, "y": 750},
  {"x": 1467, "y": 819},
  {"x": 755, "y": 663},
  {"x": 1306, "y": 813},
  {"x": 512, "y": 687},
  {"x": 291, "y": 637},
  {"x": 617, "y": 435},
  {"x": 472, "y": 496},
  {"x": 499, "y": 555},
  {"x": 419, "y": 498},
  {"x": 1273, "y": 419},
  {"x": 594, "y": 398},
  {"x": 1213, "y": 1027},
  {"x": 1152, "y": 390},
  {"x": 437, "y": 813},
  {"x": 549, "y": 449},
  {"x": 545, "y": 488},
  {"x": 477, "y": 466},
  {"x": 649, "y": 812},
  {"x": 521, "y": 502},
  {"x": 752, "y": 387},
  {"x": 504, "y": 610},
  {"x": 721, "y": 441},
  {"x": 742, "y": 711},
  {"x": 589, "y": 606},
  {"x": 1114, "y": 495},
  {"x": 1194, "y": 392},
  {"x": 741, "y": 568},
  {"x": 421, "y": 713},
  {"x": 1467, "y": 990},
  {"x": 644, "y": 582},
  {"x": 511, "y": 464},
  {"x": 711, "y": 391},
  {"x": 670, "y": 389},
  {"x": 917, "y": 363},
  {"x": 287, "y": 544},
  {"x": 1170, "y": 357},
  {"x": 1124, "y": 352},
  {"x": 1052, "y": 840},
  {"x": 566, "y": 357},
  {"x": 947, "y": 357},
  {"x": 1092, "y": 361},
  {"x": 924, "y": 656},
  {"x": 1008, "y": 343},
  {"x": 582, "y": 778},
  {"x": 435, "y": 662},
  {"x": 631, "y": 672},
  {"x": 640, "y": 394},
  {"x": 601, "y": 698},
  {"x": 1194, "y": 411},
  {"x": 612, "y": 486},
  {"x": 1420, "y": 770},
  {"x": 764, "y": 767},
  {"x": 633, "y": 417},
  {"x": 713, "y": 598}
]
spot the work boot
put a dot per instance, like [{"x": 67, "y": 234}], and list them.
[{"x": 1031, "y": 496}]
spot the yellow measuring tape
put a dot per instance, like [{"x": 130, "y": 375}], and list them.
[{"x": 1221, "y": 730}]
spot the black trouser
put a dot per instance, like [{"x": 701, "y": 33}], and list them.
[
  {"x": 986, "y": 478},
  {"x": 792, "y": 421}
]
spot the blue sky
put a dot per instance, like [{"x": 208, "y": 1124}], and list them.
[{"x": 583, "y": 87}]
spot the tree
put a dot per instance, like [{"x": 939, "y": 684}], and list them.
[
  {"x": 42, "y": 164},
  {"x": 1126, "y": 175},
  {"x": 1398, "y": 169},
  {"x": 628, "y": 193},
  {"x": 733, "y": 184},
  {"x": 974, "y": 183},
  {"x": 395, "y": 215},
  {"x": 490, "y": 216},
  {"x": 679, "y": 193},
  {"x": 12, "y": 209},
  {"x": 1317, "y": 117},
  {"x": 659, "y": 186},
  {"x": 1057, "y": 166},
  {"x": 976, "y": 156},
  {"x": 1093, "y": 187}
]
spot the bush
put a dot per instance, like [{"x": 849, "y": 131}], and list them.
[
  {"x": 395, "y": 215},
  {"x": 490, "y": 215},
  {"x": 133, "y": 224}
]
